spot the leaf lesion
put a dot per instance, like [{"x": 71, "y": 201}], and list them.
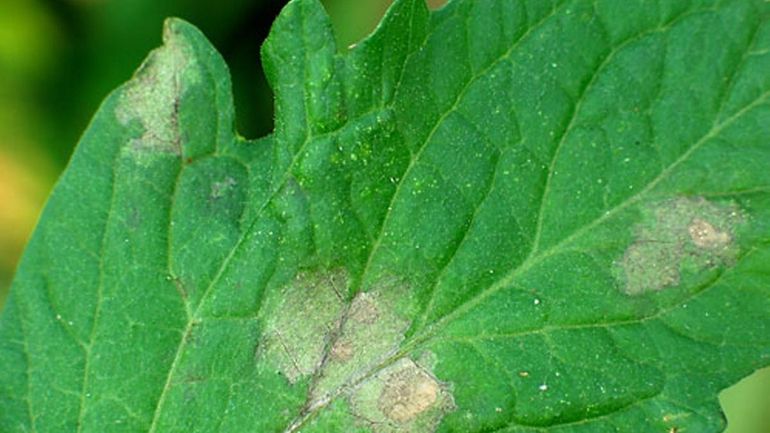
[
  {"x": 349, "y": 348},
  {"x": 152, "y": 98}
]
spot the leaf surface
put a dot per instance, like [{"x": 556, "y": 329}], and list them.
[{"x": 499, "y": 216}]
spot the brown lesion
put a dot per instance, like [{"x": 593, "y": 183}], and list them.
[
  {"x": 704, "y": 235},
  {"x": 342, "y": 350},
  {"x": 403, "y": 397},
  {"x": 408, "y": 393}
]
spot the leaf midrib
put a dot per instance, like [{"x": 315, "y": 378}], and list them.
[{"x": 535, "y": 257}]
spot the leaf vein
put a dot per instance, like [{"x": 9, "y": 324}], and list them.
[
  {"x": 555, "y": 249},
  {"x": 440, "y": 120},
  {"x": 99, "y": 297}
]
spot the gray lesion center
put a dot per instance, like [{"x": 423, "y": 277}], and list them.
[{"x": 685, "y": 234}]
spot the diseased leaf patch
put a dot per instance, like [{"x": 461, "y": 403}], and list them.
[
  {"x": 313, "y": 334},
  {"x": 300, "y": 321},
  {"x": 152, "y": 98},
  {"x": 676, "y": 236},
  {"x": 404, "y": 397}
]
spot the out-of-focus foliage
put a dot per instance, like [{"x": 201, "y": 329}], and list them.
[
  {"x": 59, "y": 58},
  {"x": 28, "y": 52},
  {"x": 747, "y": 404}
]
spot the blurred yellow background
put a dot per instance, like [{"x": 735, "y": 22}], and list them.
[{"x": 59, "y": 58}]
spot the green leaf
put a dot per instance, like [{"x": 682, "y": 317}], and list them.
[{"x": 499, "y": 216}]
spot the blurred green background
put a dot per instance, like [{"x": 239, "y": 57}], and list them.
[{"x": 60, "y": 58}]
